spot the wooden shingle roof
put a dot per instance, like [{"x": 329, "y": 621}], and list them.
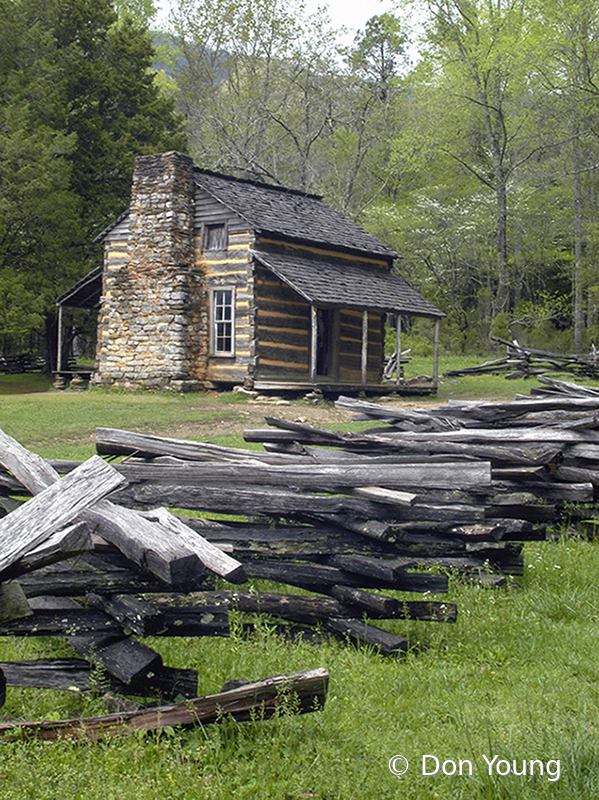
[
  {"x": 294, "y": 215},
  {"x": 85, "y": 293},
  {"x": 330, "y": 282}
]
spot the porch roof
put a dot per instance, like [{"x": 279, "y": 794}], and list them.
[
  {"x": 334, "y": 283},
  {"x": 86, "y": 293}
]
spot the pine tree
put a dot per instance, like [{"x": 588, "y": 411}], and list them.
[{"x": 78, "y": 102}]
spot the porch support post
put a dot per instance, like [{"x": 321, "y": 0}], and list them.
[
  {"x": 313, "y": 341},
  {"x": 59, "y": 341},
  {"x": 398, "y": 345},
  {"x": 436, "y": 354},
  {"x": 364, "y": 346}
]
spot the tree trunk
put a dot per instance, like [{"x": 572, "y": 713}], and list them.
[
  {"x": 503, "y": 286},
  {"x": 577, "y": 288}
]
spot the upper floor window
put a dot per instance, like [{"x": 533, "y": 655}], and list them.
[{"x": 215, "y": 237}]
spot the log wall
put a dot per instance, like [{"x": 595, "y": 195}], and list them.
[
  {"x": 283, "y": 336},
  {"x": 154, "y": 327},
  {"x": 282, "y": 329},
  {"x": 225, "y": 268},
  {"x": 350, "y": 346}
]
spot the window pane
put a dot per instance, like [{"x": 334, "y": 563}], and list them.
[
  {"x": 222, "y": 316},
  {"x": 214, "y": 237}
]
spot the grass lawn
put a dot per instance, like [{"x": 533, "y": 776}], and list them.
[
  {"x": 517, "y": 676},
  {"x": 61, "y": 424}
]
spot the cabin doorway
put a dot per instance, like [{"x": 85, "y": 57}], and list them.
[{"x": 325, "y": 342}]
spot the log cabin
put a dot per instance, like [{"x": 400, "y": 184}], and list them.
[{"x": 211, "y": 281}]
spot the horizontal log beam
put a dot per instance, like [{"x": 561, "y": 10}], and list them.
[
  {"x": 316, "y": 477},
  {"x": 344, "y": 602},
  {"x": 68, "y": 674},
  {"x": 261, "y": 699}
]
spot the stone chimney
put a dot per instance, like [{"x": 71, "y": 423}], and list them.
[{"x": 145, "y": 316}]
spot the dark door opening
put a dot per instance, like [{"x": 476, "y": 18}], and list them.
[{"x": 325, "y": 347}]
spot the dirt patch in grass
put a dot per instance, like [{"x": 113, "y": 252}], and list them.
[{"x": 232, "y": 420}]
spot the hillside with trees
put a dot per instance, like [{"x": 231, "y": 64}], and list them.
[
  {"x": 476, "y": 160},
  {"x": 471, "y": 148}
]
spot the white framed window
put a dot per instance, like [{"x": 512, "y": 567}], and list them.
[{"x": 222, "y": 321}]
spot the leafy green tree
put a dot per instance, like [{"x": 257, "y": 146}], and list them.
[
  {"x": 78, "y": 101},
  {"x": 255, "y": 85},
  {"x": 38, "y": 209},
  {"x": 502, "y": 106},
  {"x": 115, "y": 110},
  {"x": 365, "y": 117},
  {"x": 569, "y": 75},
  {"x": 483, "y": 50},
  {"x": 142, "y": 11},
  {"x": 379, "y": 52},
  {"x": 267, "y": 93}
]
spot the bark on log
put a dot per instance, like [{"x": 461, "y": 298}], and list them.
[
  {"x": 71, "y": 583},
  {"x": 62, "y": 545},
  {"x": 260, "y": 501},
  {"x": 240, "y": 499},
  {"x": 380, "y": 607},
  {"x": 300, "y": 692},
  {"x": 146, "y": 619},
  {"x": 210, "y": 556},
  {"x": 348, "y": 602},
  {"x": 62, "y": 622},
  {"x": 378, "y": 569},
  {"x": 508, "y": 452},
  {"x": 127, "y": 659},
  {"x": 150, "y": 546},
  {"x": 121, "y": 656},
  {"x": 13, "y": 602},
  {"x": 317, "y": 577},
  {"x": 111, "y": 441},
  {"x": 309, "y": 542},
  {"x": 359, "y": 631},
  {"x": 494, "y": 436},
  {"x": 315, "y": 477}
]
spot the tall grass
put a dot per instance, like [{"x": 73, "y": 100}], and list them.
[{"x": 516, "y": 676}]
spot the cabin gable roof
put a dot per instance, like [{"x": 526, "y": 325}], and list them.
[
  {"x": 324, "y": 256},
  {"x": 290, "y": 214}
]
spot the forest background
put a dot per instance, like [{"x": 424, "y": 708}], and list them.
[{"x": 472, "y": 148}]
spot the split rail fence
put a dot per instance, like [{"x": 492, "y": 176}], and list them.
[{"x": 356, "y": 524}]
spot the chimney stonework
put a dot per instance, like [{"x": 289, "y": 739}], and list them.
[{"x": 150, "y": 293}]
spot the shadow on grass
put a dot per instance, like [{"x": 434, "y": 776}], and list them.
[{"x": 28, "y": 383}]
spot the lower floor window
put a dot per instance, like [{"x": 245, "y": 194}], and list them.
[{"x": 223, "y": 321}]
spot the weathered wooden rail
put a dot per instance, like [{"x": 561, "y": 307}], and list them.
[
  {"x": 352, "y": 518},
  {"x": 525, "y": 362},
  {"x": 299, "y": 692}
]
